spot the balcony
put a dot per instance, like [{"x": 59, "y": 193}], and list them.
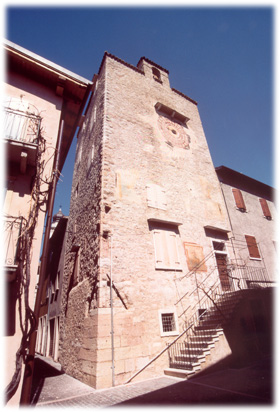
[
  {"x": 11, "y": 234},
  {"x": 21, "y": 131}
]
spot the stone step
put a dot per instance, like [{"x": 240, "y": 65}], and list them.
[
  {"x": 195, "y": 350},
  {"x": 179, "y": 373},
  {"x": 206, "y": 339},
  {"x": 188, "y": 358},
  {"x": 192, "y": 351},
  {"x": 195, "y": 366}
]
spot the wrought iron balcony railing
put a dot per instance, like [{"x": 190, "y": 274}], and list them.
[
  {"x": 12, "y": 231},
  {"x": 21, "y": 126}
]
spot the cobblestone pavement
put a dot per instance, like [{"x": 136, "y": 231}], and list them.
[{"x": 251, "y": 385}]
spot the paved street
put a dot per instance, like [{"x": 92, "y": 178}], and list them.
[{"x": 249, "y": 385}]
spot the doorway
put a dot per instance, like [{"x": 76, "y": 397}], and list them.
[{"x": 222, "y": 264}]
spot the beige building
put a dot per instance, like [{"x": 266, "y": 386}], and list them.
[
  {"x": 42, "y": 102},
  {"x": 252, "y": 213},
  {"x": 150, "y": 243}
]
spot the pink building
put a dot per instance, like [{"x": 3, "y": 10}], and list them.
[{"x": 43, "y": 104}]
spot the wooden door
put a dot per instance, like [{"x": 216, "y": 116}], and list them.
[{"x": 221, "y": 259}]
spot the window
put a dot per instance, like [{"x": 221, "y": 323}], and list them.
[
  {"x": 77, "y": 191},
  {"x": 265, "y": 209},
  {"x": 16, "y": 120},
  {"x": 52, "y": 292},
  {"x": 252, "y": 247},
  {"x": 239, "y": 201},
  {"x": 168, "y": 322},
  {"x": 56, "y": 285},
  {"x": 156, "y": 196},
  {"x": 219, "y": 246},
  {"x": 166, "y": 244},
  {"x": 156, "y": 74}
]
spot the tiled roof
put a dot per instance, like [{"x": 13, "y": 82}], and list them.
[
  {"x": 106, "y": 54},
  {"x": 154, "y": 64}
]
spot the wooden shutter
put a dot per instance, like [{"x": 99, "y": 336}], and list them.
[
  {"x": 252, "y": 247},
  {"x": 239, "y": 201},
  {"x": 172, "y": 247},
  {"x": 166, "y": 250},
  {"x": 15, "y": 123},
  {"x": 158, "y": 245},
  {"x": 161, "y": 198},
  {"x": 265, "y": 208},
  {"x": 156, "y": 196},
  {"x": 150, "y": 196}
]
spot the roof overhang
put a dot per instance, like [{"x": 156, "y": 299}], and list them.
[
  {"x": 73, "y": 89},
  {"x": 243, "y": 182}
]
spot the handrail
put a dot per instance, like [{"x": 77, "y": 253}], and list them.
[
  {"x": 216, "y": 286},
  {"x": 161, "y": 352}
]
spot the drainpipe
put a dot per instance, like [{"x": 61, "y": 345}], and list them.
[
  {"x": 112, "y": 315},
  {"x": 29, "y": 364}
]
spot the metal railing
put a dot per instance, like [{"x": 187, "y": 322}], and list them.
[
  {"x": 212, "y": 311},
  {"x": 21, "y": 126},
  {"x": 12, "y": 231}
]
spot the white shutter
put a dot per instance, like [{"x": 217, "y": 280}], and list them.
[
  {"x": 15, "y": 123},
  {"x": 158, "y": 245},
  {"x": 150, "y": 196},
  {"x": 174, "y": 260},
  {"x": 166, "y": 249},
  {"x": 161, "y": 198},
  {"x": 156, "y": 196}
]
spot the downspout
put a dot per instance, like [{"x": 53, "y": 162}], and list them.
[
  {"x": 231, "y": 227},
  {"x": 112, "y": 316},
  {"x": 29, "y": 364}
]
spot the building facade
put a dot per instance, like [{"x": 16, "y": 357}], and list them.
[
  {"x": 42, "y": 106},
  {"x": 47, "y": 342},
  {"x": 147, "y": 220},
  {"x": 152, "y": 264},
  {"x": 252, "y": 213}
]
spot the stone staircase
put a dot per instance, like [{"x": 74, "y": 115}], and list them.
[{"x": 187, "y": 355}]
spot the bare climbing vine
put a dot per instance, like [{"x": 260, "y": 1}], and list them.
[{"x": 38, "y": 202}]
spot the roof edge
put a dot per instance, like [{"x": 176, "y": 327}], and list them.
[
  {"x": 44, "y": 62},
  {"x": 107, "y": 54},
  {"x": 153, "y": 63},
  {"x": 233, "y": 172}
]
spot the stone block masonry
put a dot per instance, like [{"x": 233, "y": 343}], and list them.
[{"x": 143, "y": 184}]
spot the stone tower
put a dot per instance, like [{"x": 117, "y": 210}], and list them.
[{"x": 146, "y": 205}]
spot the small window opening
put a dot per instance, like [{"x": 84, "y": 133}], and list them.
[
  {"x": 107, "y": 209},
  {"x": 156, "y": 74},
  {"x": 219, "y": 246},
  {"x": 168, "y": 322}
]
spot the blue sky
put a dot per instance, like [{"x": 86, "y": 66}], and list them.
[{"x": 222, "y": 57}]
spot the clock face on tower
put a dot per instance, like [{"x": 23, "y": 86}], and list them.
[{"x": 173, "y": 132}]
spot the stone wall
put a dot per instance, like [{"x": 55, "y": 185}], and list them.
[{"x": 113, "y": 223}]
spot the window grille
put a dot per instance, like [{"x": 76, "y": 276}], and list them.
[{"x": 168, "y": 322}]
